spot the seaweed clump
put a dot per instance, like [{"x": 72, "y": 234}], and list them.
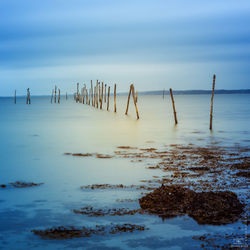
[
  {"x": 61, "y": 232},
  {"x": 213, "y": 207},
  {"x": 20, "y": 184},
  {"x": 90, "y": 211}
]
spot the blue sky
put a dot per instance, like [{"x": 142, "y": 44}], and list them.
[{"x": 154, "y": 44}]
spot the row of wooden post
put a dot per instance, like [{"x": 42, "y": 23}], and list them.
[
  {"x": 53, "y": 95},
  {"x": 95, "y": 95},
  {"x": 211, "y": 108},
  {"x": 98, "y": 96}
]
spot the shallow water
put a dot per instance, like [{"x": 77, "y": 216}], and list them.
[{"x": 35, "y": 137}]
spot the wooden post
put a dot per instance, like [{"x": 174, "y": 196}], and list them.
[
  {"x": 101, "y": 97},
  {"x": 15, "y": 97},
  {"x": 108, "y": 99},
  {"x": 133, "y": 92},
  {"x": 130, "y": 90},
  {"x": 105, "y": 93},
  {"x": 136, "y": 96},
  {"x": 28, "y": 96},
  {"x": 172, "y": 97},
  {"x": 91, "y": 92},
  {"x": 97, "y": 97},
  {"x": 77, "y": 93},
  {"x": 115, "y": 98},
  {"x": 52, "y": 96},
  {"x": 212, "y": 103},
  {"x": 55, "y": 93},
  {"x": 27, "y": 100},
  {"x": 59, "y": 95}
]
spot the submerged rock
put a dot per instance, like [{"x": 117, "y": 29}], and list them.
[{"x": 220, "y": 207}]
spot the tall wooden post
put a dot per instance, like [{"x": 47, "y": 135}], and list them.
[
  {"x": 130, "y": 90},
  {"x": 108, "y": 99},
  {"x": 55, "y": 93},
  {"x": 97, "y": 96},
  {"x": 172, "y": 98},
  {"x": 115, "y": 98},
  {"x": 136, "y": 96},
  {"x": 101, "y": 97},
  {"x": 212, "y": 101},
  {"x": 52, "y": 96},
  {"x": 59, "y": 95},
  {"x": 133, "y": 92},
  {"x": 105, "y": 93},
  {"x": 15, "y": 97}
]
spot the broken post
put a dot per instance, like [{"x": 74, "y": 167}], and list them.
[
  {"x": 28, "y": 96},
  {"x": 115, "y": 98},
  {"x": 130, "y": 90},
  {"x": 108, "y": 99},
  {"x": 212, "y": 100},
  {"x": 172, "y": 98}
]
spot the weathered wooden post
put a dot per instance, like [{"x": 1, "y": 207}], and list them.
[
  {"x": 92, "y": 92},
  {"x": 52, "y": 96},
  {"x": 136, "y": 96},
  {"x": 172, "y": 98},
  {"x": 59, "y": 95},
  {"x": 105, "y": 93},
  {"x": 28, "y": 96},
  {"x": 101, "y": 97},
  {"x": 212, "y": 100},
  {"x": 108, "y": 99},
  {"x": 15, "y": 97},
  {"x": 55, "y": 93},
  {"x": 97, "y": 97},
  {"x": 130, "y": 90},
  {"x": 115, "y": 98},
  {"x": 133, "y": 92},
  {"x": 77, "y": 93}
]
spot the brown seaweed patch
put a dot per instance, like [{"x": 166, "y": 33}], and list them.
[
  {"x": 245, "y": 174},
  {"x": 102, "y": 156},
  {"x": 90, "y": 211},
  {"x": 216, "y": 208},
  {"x": 116, "y": 186},
  {"x": 3, "y": 186},
  {"x": 199, "y": 168},
  {"x": 82, "y": 155},
  {"x": 126, "y": 147},
  {"x": 148, "y": 149},
  {"x": 61, "y": 232},
  {"x": 20, "y": 184},
  {"x": 67, "y": 154}
]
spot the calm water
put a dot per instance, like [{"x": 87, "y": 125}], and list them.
[{"x": 35, "y": 137}]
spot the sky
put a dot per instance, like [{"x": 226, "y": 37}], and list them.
[{"x": 154, "y": 44}]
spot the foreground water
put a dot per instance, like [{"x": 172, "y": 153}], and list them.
[{"x": 35, "y": 137}]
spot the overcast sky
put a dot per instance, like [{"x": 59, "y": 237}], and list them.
[{"x": 155, "y": 44}]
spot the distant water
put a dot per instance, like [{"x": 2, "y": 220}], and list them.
[{"x": 35, "y": 137}]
